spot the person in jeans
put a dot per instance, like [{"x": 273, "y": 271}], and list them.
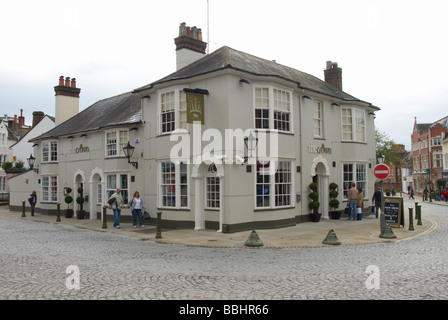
[
  {"x": 116, "y": 206},
  {"x": 352, "y": 199},
  {"x": 136, "y": 204}
]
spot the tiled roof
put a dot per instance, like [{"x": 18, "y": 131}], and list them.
[
  {"x": 123, "y": 109},
  {"x": 226, "y": 57}
]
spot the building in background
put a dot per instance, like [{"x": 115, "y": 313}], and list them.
[{"x": 427, "y": 155}]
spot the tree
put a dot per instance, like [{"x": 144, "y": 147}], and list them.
[{"x": 386, "y": 147}]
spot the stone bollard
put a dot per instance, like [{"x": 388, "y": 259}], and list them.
[
  {"x": 411, "y": 220},
  {"x": 419, "y": 215},
  {"x": 104, "y": 218},
  {"x": 58, "y": 212},
  {"x": 159, "y": 225},
  {"x": 253, "y": 240}
]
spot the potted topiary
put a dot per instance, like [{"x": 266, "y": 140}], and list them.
[
  {"x": 334, "y": 202},
  {"x": 314, "y": 204},
  {"x": 68, "y": 199},
  {"x": 80, "y": 200}
]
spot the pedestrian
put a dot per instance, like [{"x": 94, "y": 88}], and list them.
[
  {"x": 359, "y": 204},
  {"x": 445, "y": 195},
  {"x": 352, "y": 199},
  {"x": 425, "y": 194},
  {"x": 411, "y": 194},
  {"x": 377, "y": 199},
  {"x": 32, "y": 199},
  {"x": 136, "y": 204},
  {"x": 116, "y": 204}
]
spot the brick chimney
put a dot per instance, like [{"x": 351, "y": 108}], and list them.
[
  {"x": 189, "y": 45},
  {"x": 333, "y": 75},
  {"x": 37, "y": 117},
  {"x": 67, "y": 99}
]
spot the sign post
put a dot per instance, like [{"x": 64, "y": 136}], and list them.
[{"x": 381, "y": 172}]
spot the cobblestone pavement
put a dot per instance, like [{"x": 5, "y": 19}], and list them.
[{"x": 35, "y": 257}]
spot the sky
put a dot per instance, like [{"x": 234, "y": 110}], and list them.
[{"x": 392, "y": 53}]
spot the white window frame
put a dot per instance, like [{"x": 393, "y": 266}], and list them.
[
  {"x": 319, "y": 119},
  {"x": 358, "y": 176},
  {"x": 121, "y": 141},
  {"x": 269, "y": 180},
  {"x": 180, "y": 187},
  {"x": 51, "y": 155},
  {"x": 117, "y": 183},
  {"x": 275, "y": 106},
  {"x": 180, "y": 110},
  {"x": 49, "y": 190},
  {"x": 353, "y": 125},
  {"x": 212, "y": 189}
]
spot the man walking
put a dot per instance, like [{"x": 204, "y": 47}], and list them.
[
  {"x": 377, "y": 199},
  {"x": 116, "y": 206},
  {"x": 352, "y": 199}
]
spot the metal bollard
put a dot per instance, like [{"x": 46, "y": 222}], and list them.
[
  {"x": 416, "y": 204},
  {"x": 104, "y": 218},
  {"x": 23, "y": 209},
  {"x": 159, "y": 225},
  {"x": 419, "y": 215},
  {"x": 411, "y": 220},
  {"x": 58, "y": 213}
]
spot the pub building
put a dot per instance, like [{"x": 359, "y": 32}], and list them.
[{"x": 229, "y": 142}]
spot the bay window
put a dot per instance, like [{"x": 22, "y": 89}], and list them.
[
  {"x": 353, "y": 125},
  {"x": 357, "y": 173},
  {"x": 272, "y": 109}
]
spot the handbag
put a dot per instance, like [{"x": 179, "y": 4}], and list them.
[
  {"x": 111, "y": 200},
  {"x": 146, "y": 215}
]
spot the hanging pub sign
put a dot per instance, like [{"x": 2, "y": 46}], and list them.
[{"x": 195, "y": 105}]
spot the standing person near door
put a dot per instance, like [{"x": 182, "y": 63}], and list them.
[
  {"x": 352, "y": 199},
  {"x": 116, "y": 206}
]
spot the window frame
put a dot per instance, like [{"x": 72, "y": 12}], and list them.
[
  {"x": 50, "y": 156},
  {"x": 179, "y": 112},
  {"x": 181, "y": 189},
  {"x": 319, "y": 105},
  {"x": 280, "y": 111},
  {"x": 354, "y": 125},
  {"x": 118, "y": 145},
  {"x": 356, "y": 178},
  {"x": 274, "y": 185},
  {"x": 49, "y": 190}
]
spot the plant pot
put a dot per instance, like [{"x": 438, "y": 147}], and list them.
[
  {"x": 69, "y": 213},
  {"x": 80, "y": 214},
  {"x": 315, "y": 217},
  {"x": 335, "y": 215}
]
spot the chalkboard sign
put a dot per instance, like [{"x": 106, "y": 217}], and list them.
[{"x": 393, "y": 211}]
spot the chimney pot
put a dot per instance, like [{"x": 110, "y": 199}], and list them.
[
  {"x": 67, "y": 82},
  {"x": 61, "y": 80},
  {"x": 74, "y": 83}
]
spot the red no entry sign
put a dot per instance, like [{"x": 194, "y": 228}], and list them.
[{"x": 381, "y": 171}]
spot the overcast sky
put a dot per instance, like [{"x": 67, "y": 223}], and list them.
[{"x": 392, "y": 53}]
